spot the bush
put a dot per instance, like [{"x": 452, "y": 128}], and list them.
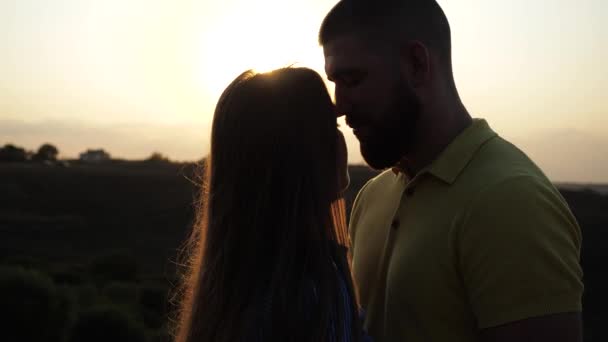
[
  {"x": 65, "y": 313},
  {"x": 33, "y": 308},
  {"x": 154, "y": 298},
  {"x": 87, "y": 295},
  {"x": 160, "y": 336},
  {"x": 121, "y": 293},
  {"x": 153, "y": 320},
  {"x": 104, "y": 324},
  {"x": 115, "y": 267},
  {"x": 27, "y": 262},
  {"x": 69, "y": 275}
]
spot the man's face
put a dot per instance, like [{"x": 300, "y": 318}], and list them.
[{"x": 372, "y": 92}]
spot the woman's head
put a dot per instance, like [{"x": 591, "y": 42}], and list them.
[
  {"x": 272, "y": 214},
  {"x": 277, "y": 124}
]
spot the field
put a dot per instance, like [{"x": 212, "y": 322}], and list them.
[{"x": 98, "y": 245}]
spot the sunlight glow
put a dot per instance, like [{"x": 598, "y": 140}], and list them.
[
  {"x": 252, "y": 38},
  {"x": 136, "y": 76}
]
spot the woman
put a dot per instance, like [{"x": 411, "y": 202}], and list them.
[{"x": 269, "y": 253}]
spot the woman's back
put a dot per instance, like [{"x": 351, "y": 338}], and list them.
[{"x": 340, "y": 329}]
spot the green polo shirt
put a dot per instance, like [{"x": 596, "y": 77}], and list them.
[{"x": 478, "y": 239}]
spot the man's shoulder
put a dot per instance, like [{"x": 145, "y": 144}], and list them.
[
  {"x": 498, "y": 172},
  {"x": 523, "y": 187},
  {"x": 501, "y": 174},
  {"x": 379, "y": 186},
  {"x": 499, "y": 162}
]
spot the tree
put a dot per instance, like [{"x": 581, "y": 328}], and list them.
[
  {"x": 46, "y": 152},
  {"x": 95, "y": 156},
  {"x": 157, "y": 157},
  {"x": 12, "y": 153}
]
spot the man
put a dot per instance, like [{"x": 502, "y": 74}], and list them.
[{"x": 462, "y": 238}]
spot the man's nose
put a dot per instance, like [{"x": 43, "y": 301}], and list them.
[{"x": 343, "y": 104}]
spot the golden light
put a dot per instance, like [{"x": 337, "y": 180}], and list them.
[{"x": 259, "y": 36}]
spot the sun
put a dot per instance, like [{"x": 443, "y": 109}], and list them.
[{"x": 256, "y": 37}]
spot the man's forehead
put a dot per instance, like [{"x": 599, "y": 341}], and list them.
[
  {"x": 344, "y": 52},
  {"x": 345, "y": 44}
]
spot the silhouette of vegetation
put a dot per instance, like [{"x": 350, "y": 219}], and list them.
[
  {"x": 122, "y": 293},
  {"x": 157, "y": 157},
  {"x": 114, "y": 267},
  {"x": 46, "y": 153},
  {"x": 27, "y": 262},
  {"x": 72, "y": 275},
  {"x": 103, "y": 324},
  {"x": 76, "y": 241},
  {"x": 154, "y": 301},
  {"x": 12, "y": 153},
  {"x": 87, "y": 295},
  {"x": 35, "y": 310},
  {"x": 94, "y": 156}
]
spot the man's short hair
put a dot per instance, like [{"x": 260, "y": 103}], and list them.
[{"x": 422, "y": 20}]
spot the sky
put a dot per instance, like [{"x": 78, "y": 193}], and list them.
[{"x": 138, "y": 76}]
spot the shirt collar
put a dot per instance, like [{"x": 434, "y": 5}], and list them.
[{"x": 457, "y": 155}]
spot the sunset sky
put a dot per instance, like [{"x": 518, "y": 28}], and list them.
[{"x": 138, "y": 76}]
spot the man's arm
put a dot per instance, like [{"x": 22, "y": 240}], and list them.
[
  {"x": 565, "y": 327},
  {"x": 519, "y": 248}
]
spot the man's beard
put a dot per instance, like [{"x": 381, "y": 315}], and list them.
[{"x": 394, "y": 136}]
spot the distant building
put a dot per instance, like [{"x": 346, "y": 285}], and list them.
[{"x": 94, "y": 156}]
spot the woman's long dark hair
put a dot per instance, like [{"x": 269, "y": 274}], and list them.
[{"x": 271, "y": 231}]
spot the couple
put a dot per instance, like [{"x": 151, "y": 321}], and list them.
[{"x": 461, "y": 238}]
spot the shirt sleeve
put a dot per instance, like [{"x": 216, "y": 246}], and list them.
[{"x": 518, "y": 253}]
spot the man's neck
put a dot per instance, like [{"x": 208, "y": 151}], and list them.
[{"x": 434, "y": 135}]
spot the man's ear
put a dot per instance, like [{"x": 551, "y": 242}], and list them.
[{"x": 416, "y": 60}]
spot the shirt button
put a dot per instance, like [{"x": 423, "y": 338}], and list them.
[{"x": 409, "y": 192}]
